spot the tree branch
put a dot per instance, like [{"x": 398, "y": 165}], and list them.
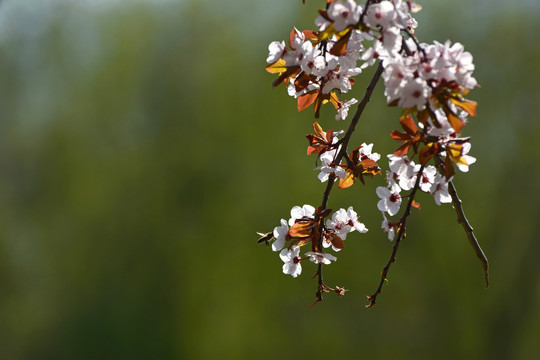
[
  {"x": 400, "y": 236},
  {"x": 461, "y": 219}
]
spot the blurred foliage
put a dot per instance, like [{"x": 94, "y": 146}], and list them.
[{"x": 142, "y": 146}]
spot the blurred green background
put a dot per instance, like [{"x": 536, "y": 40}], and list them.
[{"x": 142, "y": 146}]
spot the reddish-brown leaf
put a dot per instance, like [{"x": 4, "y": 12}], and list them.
[
  {"x": 403, "y": 149},
  {"x": 302, "y": 81},
  {"x": 396, "y": 135},
  {"x": 455, "y": 121},
  {"x": 309, "y": 34},
  {"x": 291, "y": 37},
  {"x": 337, "y": 241},
  {"x": 329, "y": 136},
  {"x": 306, "y": 100},
  {"x": 318, "y": 130},
  {"x": 340, "y": 47},
  {"x": 467, "y": 105},
  {"x": 408, "y": 124},
  {"x": 423, "y": 116},
  {"x": 301, "y": 229},
  {"x": 291, "y": 72},
  {"x": 348, "y": 181},
  {"x": 368, "y": 164},
  {"x": 427, "y": 152}
]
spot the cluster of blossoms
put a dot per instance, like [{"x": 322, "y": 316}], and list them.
[
  {"x": 428, "y": 81},
  {"x": 307, "y": 227},
  {"x": 360, "y": 162}
]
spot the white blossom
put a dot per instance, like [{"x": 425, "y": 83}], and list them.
[
  {"x": 427, "y": 178},
  {"x": 328, "y": 167},
  {"x": 343, "y": 110},
  {"x": 390, "y": 200},
  {"x": 298, "y": 212},
  {"x": 291, "y": 261},
  {"x": 387, "y": 228},
  {"x": 280, "y": 233},
  {"x": 439, "y": 190},
  {"x": 469, "y": 160},
  {"x": 344, "y": 14},
  {"x": 276, "y": 50}
]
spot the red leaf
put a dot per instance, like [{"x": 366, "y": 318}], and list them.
[
  {"x": 340, "y": 47},
  {"x": 369, "y": 164},
  {"x": 337, "y": 241},
  {"x": 348, "y": 181},
  {"x": 396, "y": 135},
  {"x": 455, "y": 121},
  {"x": 408, "y": 124},
  {"x": 301, "y": 229},
  {"x": 302, "y": 81},
  {"x": 306, "y": 100},
  {"x": 289, "y": 73},
  {"x": 467, "y": 105},
  {"x": 402, "y": 150},
  {"x": 309, "y": 34},
  {"x": 427, "y": 152},
  {"x": 291, "y": 36}
]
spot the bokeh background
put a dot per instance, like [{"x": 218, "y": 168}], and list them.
[{"x": 142, "y": 146}]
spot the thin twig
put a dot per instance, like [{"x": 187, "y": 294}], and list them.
[
  {"x": 461, "y": 219},
  {"x": 400, "y": 236},
  {"x": 359, "y": 111}
]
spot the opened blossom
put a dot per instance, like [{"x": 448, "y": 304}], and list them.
[
  {"x": 291, "y": 261},
  {"x": 388, "y": 228},
  {"x": 390, "y": 200},
  {"x": 343, "y": 222},
  {"x": 344, "y": 14},
  {"x": 343, "y": 110},
  {"x": 297, "y": 212},
  {"x": 427, "y": 178},
  {"x": 439, "y": 190},
  {"x": 329, "y": 166},
  {"x": 280, "y": 234}
]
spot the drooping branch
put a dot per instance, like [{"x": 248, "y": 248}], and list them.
[
  {"x": 400, "y": 236},
  {"x": 344, "y": 142},
  {"x": 461, "y": 219}
]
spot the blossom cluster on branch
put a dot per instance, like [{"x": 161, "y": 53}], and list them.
[{"x": 429, "y": 82}]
